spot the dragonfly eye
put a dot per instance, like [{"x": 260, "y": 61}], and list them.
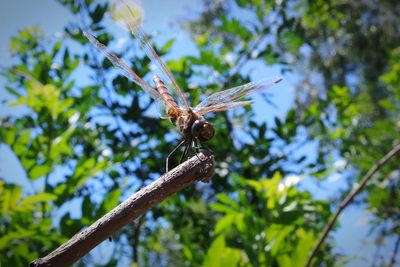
[{"x": 202, "y": 130}]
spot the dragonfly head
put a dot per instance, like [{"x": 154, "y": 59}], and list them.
[{"x": 202, "y": 130}]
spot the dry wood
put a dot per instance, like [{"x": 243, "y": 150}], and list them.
[{"x": 198, "y": 168}]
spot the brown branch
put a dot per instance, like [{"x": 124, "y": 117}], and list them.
[
  {"x": 198, "y": 168},
  {"x": 350, "y": 198},
  {"x": 135, "y": 236}
]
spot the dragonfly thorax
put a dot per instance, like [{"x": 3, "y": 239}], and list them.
[{"x": 193, "y": 126}]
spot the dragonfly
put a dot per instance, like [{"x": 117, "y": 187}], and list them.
[{"x": 189, "y": 121}]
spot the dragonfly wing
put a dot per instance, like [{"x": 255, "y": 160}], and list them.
[
  {"x": 124, "y": 68},
  {"x": 229, "y": 99},
  {"x": 130, "y": 15},
  {"x": 223, "y": 107}
]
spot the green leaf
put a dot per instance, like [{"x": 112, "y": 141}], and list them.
[
  {"x": 303, "y": 248},
  {"x": 21, "y": 142},
  {"x": 220, "y": 207},
  {"x": 224, "y": 223},
  {"x": 8, "y": 135},
  {"x": 60, "y": 144},
  {"x": 9, "y": 198},
  {"x": 38, "y": 171},
  {"x": 167, "y": 46},
  {"x": 227, "y": 200},
  {"x": 28, "y": 202},
  {"x": 240, "y": 222},
  {"x": 219, "y": 255},
  {"x": 276, "y": 235},
  {"x": 14, "y": 236},
  {"x": 98, "y": 13},
  {"x": 111, "y": 200},
  {"x": 284, "y": 260},
  {"x": 387, "y": 104},
  {"x": 188, "y": 254},
  {"x": 12, "y": 91}
]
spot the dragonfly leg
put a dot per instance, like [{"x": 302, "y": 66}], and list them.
[
  {"x": 185, "y": 152},
  {"x": 200, "y": 145},
  {"x": 172, "y": 153},
  {"x": 196, "y": 146}
]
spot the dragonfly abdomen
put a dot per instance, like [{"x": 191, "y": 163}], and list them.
[{"x": 173, "y": 108}]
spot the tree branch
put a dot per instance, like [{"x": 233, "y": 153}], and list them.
[
  {"x": 395, "y": 251},
  {"x": 198, "y": 168},
  {"x": 350, "y": 198}
]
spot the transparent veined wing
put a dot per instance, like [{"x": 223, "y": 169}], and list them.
[
  {"x": 129, "y": 14},
  {"x": 223, "y": 107},
  {"x": 124, "y": 68},
  {"x": 229, "y": 99}
]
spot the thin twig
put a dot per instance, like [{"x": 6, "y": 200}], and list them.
[
  {"x": 379, "y": 243},
  {"x": 136, "y": 228},
  {"x": 350, "y": 198},
  {"x": 198, "y": 168},
  {"x": 395, "y": 251}
]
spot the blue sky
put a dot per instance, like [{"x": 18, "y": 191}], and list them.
[{"x": 163, "y": 17}]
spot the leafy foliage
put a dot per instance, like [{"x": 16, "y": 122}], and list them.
[
  {"x": 274, "y": 225},
  {"x": 346, "y": 53},
  {"x": 85, "y": 145}
]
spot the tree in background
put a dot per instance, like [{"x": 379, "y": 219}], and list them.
[
  {"x": 346, "y": 54},
  {"x": 88, "y": 144}
]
